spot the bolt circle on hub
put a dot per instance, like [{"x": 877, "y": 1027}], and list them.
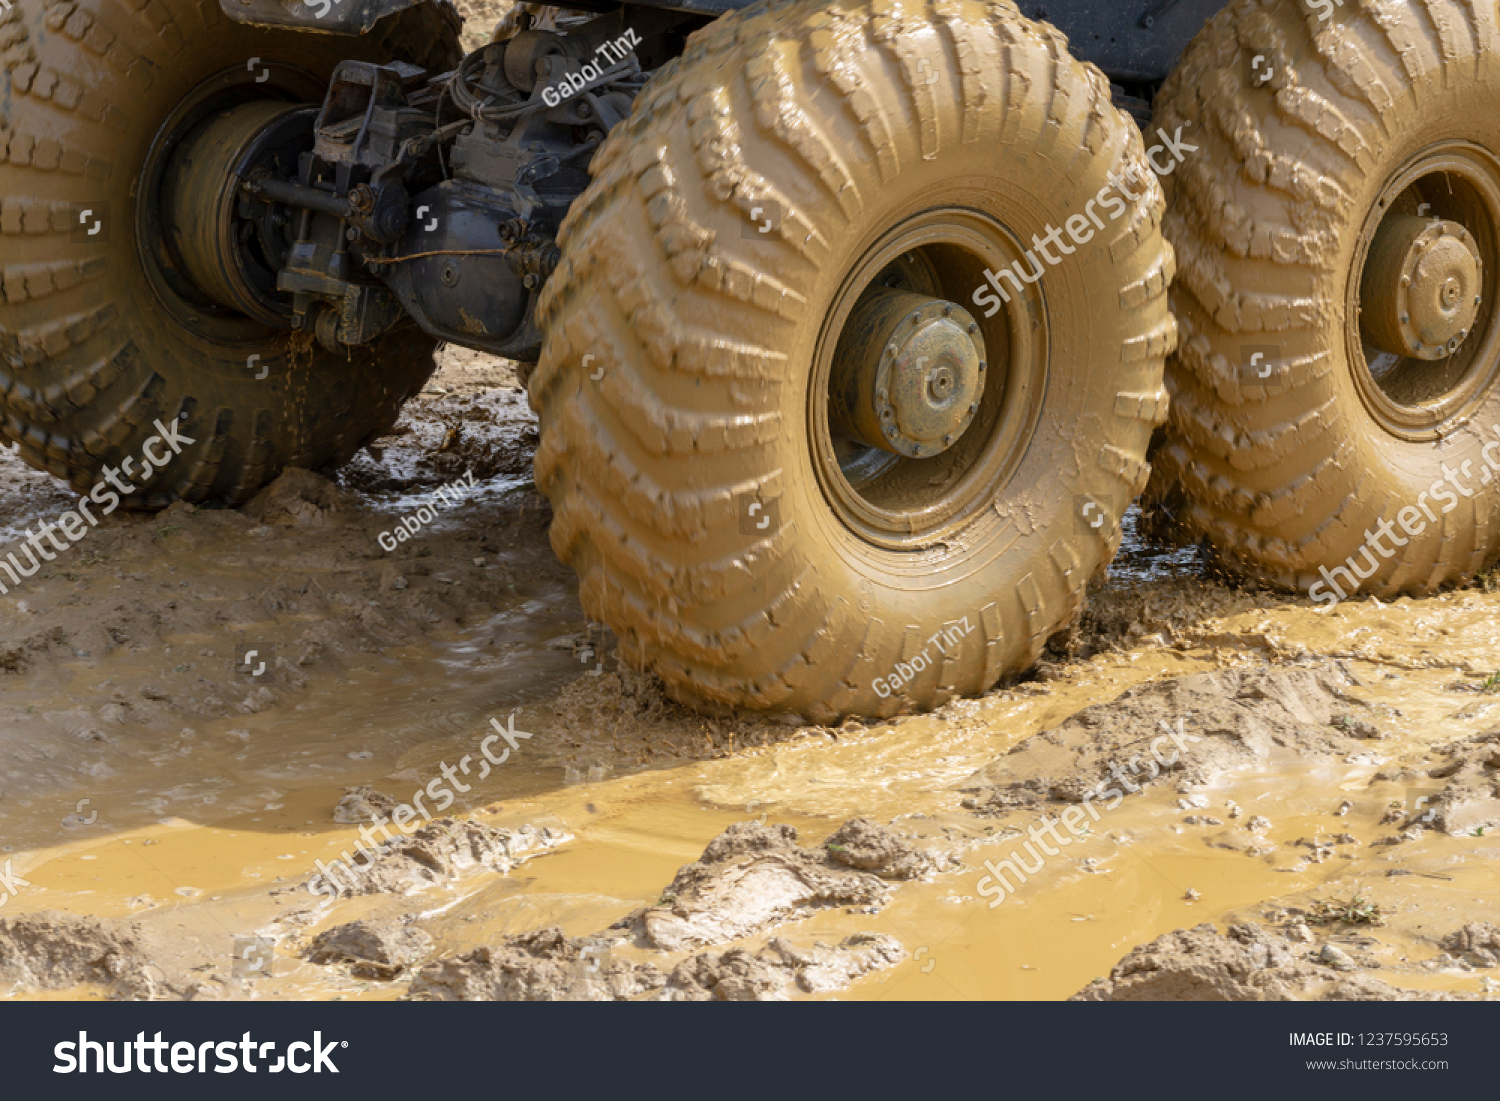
[
  {"x": 908, "y": 373},
  {"x": 1422, "y": 287},
  {"x": 1420, "y": 327}
]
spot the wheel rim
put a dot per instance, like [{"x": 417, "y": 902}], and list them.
[
  {"x": 1420, "y": 325},
  {"x": 905, "y": 501},
  {"x": 196, "y": 308}
]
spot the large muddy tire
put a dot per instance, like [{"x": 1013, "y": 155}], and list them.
[
  {"x": 94, "y": 344},
  {"x": 736, "y": 222},
  {"x": 1317, "y": 395}
]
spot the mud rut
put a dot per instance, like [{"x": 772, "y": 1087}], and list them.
[{"x": 174, "y": 802}]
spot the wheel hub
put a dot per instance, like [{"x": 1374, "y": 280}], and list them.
[
  {"x": 908, "y": 373},
  {"x": 221, "y": 243},
  {"x": 1422, "y": 288}
]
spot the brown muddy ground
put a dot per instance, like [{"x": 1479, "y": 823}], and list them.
[{"x": 1327, "y": 831}]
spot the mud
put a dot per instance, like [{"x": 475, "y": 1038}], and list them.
[
  {"x": 201, "y": 709},
  {"x": 1246, "y": 964},
  {"x": 548, "y": 965},
  {"x": 364, "y": 804},
  {"x": 545, "y": 966},
  {"x": 750, "y": 878},
  {"x": 1468, "y": 774},
  {"x": 780, "y": 970},
  {"x": 439, "y": 853},
  {"x": 1222, "y": 721},
  {"x": 56, "y": 951},
  {"x": 380, "y": 949},
  {"x": 167, "y": 801}
]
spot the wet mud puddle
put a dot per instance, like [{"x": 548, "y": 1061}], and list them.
[
  {"x": 176, "y": 794},
  {"x": 208, "y": 837}
]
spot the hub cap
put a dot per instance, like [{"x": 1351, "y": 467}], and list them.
[
  {"x": 1420, "y": 327},
  {"x": 908, "y": 373},
  {"x": 920, "y": 412},
  {"x": 1422, "y": 287}
]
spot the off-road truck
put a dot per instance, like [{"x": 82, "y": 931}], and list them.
[{"x": 847, "y": 321}]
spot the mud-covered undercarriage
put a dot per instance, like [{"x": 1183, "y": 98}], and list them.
[{"x": 407, "y": 192}]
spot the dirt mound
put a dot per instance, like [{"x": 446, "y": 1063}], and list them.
[
  {"x": 1221, "y": 722},
  {"x": 750, "y": 878},
  {"x": 50, "y": 950},
  {"x": 550, "y": 966},
  {"x": 298, "y": 497},
  {"x": 1476, "y": 944},
  {"x": 364, "y": 804},
  {"x": 1468, "y": 803},
  {"x": 1247, "y": 964},
  {"x": 780, "y": 969},
  {"x": 439, "y": 852},
  {"x": 629, "y": 714},
  {"x": 868, "y": 846},
  {"x": 491, "y": 433},
  {"x": 379, "y": 949},
  {"x": 544, "y": 966}
]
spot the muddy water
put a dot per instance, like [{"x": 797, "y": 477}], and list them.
[
  {"x": 147, "y": 773},
  {"x": 209, "y": 840}
]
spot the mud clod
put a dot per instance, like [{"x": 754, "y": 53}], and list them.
[
  {"x": 869, "y": 847},
  {"x": 49, "y": 950},
  {"x": 544, "y": 966},
  {"x": 297, "y": 497},
  {"x": 1469, "y": 803},
  {"x": 780, "y": 969},
  {"x": 749, "y": 878},
  {"x": 371, "y": 949},
  {"x": 1477, "y": 944},
  {"x": 1221, "y": 722},
  {"x": 363, "y": 804},
  {"x": 1249, "y": 963},
  {"x": 442, "y": 851}
]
